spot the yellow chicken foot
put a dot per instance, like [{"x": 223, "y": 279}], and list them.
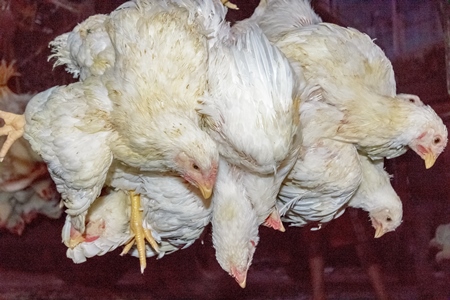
[
  {"x": 228, "y": 4},
  {"x": 14, "y": 128},
  {"x": 140, "y": 233}
]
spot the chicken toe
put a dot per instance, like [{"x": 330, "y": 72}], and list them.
[
  {"x": 13, "y": 129},
  {"x": 140, "y": 233}
]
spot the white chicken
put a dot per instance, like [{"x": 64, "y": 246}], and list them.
[
  {"x": 168, "y": 37},
  {"x": 328, "y": 171},
  {"x": 256, "y": 127},
  {"x": 69, "y": 127},
  {"x": 376, "y": 195},
  {"x": 173, "y": 210},
  {"x": 255, "y": 123},
  {"x": 325, "y": 176},
  {"x": 357, "y": 78},
  {"x": 86, "y": 50},
  {"x": 107, "y": 227},
  {"x": 159, "y": 75},
  {"x": 330, "y": 175}
]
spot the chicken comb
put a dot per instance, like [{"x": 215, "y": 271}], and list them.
[{"x": 6, "y": 72}]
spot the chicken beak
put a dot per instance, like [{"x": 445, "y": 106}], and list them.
[
  {"x": 379, "y": 231},
  {"x": 240, "y": 277},
  {"x": 281, "y": 228},
  {"x": 242, "y": 283},
  {"x": 429, "y": 159},
  {"x": 75, "y": 238},
  {"x": 274, "y": 221},
  {"x": 206, "y": 191}
]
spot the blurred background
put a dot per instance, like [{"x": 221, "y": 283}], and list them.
[{"x": 413, "y": 33}]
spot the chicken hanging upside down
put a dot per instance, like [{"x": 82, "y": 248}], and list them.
[
  {"x": 173, "y": 212},
  {"x": 80, "y": 129},
  {"x": 356, "y": 78},
  {"x": 357, "y": 109},
  {"x": 255, "y": 124}
]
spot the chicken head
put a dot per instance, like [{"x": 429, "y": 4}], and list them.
[
  {"x": 234, "y": 224},
  {"x": 198, "y": 172},
  {"x": 385, "y": 220},
  {"x": 430, "y": 143}
]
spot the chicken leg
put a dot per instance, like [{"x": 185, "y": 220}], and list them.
[
  {"x": 14, "y": 129},
  {"x": 140, "y": 233}
]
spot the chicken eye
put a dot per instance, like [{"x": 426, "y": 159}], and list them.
[
  {"x": 388, "y": 219},
  {"x": 412, "y": 100},
  {"x": 195, "y": 167},
  {"x": 437, "y": 140}
]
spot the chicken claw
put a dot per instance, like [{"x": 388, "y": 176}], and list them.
[
  {"x": 140, "y": 233},
  {"x": 228, "y": 4},
  {"x": 14, "y": 129}
]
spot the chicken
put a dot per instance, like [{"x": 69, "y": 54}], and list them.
[
  {"x": 328, "y": 172},
  {"x": 325, "y": 176},
  {"x": 255, "y": 124},
  {"x": 173, "y": 211},
  {"x": 69, "y": 126},
  {"x": 360, "y": 87},
  {"x": 234, "y": 224},
  {"x": 162, "y": 98},
  {"x": 168, "y": 37},
  {"x": 25, "y": 187},
  {"x": 256, "y": 127},
  {"x": 86, "y": 50},
  {"x": 309, "y": 196},
  {"x": 261, "y": 107},
  {"x": 441, "y": 241},
  {"x": 330, "y": 175},
  {"x": 107, "y": 227},
  {"x": 80, "y": 128},
  {"x": 376, "y": 196}
]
